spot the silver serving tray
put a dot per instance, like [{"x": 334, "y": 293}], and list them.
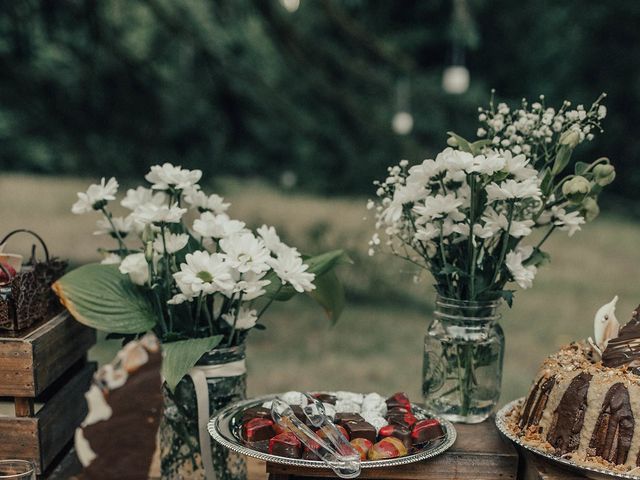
[
  {"x": 591, "y": 472},
  {"x": 225, "y": 429}
]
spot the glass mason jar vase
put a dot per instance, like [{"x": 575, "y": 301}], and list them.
[
  {"x": 183, "y": 454},
  {"x": 463, "y": 356}
]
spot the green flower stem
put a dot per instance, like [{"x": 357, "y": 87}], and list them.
[
  {"x": 121, "y": 245},
  {"x": 273, "y": 297},
  {"x": 235, "y": 320},
  {"x": 505, "y": 244}
]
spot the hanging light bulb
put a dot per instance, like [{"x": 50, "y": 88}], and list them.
[
  {"x": 455, "y": 79},
  {"x": 402, "y": 121},
  {"x": 290, "y": 5}
]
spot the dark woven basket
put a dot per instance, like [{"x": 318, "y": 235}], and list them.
[{"x": 27, "y": 298}]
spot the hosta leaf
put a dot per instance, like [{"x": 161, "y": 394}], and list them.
[
  {"x": 101, "y": 297},
  {"x": 329, "y": 293},
  {"x": 180, "y": 357}
]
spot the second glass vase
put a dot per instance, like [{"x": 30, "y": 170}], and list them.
[{"x": 463, "y": 357}]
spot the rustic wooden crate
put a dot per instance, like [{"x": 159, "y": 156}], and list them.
[
  {"x": 478, "y": 453},
  {"x": 45, "y": 365}
]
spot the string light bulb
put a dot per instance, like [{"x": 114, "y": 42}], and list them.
[
  {"x": 402, "y": 120},
  {"x": 290, "y": 5},
  {"x": 455, "y": 79}
]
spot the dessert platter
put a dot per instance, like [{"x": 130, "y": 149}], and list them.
[
  {"x": 583, "y": 409},
  {"x": 344, "y": 431}
]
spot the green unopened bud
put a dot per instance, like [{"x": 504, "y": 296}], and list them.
[
  {"x": 576, "y": 189},
  {"x": 148, "y": 252},
  {"x": 590, "y": 209},
  {"x": 147, "y": 234},
  {"x": 452, "y": 142},
  {"x": 570, "y": 138},
  {"x": 604, "y": 174}
]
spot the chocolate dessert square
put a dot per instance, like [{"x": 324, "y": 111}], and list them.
[
  {"x": 255, "y": 412},
  {"x": 342, "y": 418},
  {"x": 360, "y": 429}
]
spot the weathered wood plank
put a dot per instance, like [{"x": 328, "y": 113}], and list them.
[
  {"x": 60, "y": 416},
  {"x": 57, "y": 346},
  {"x": 24, "y": 407},
  {"x": 19, "y": 438},
  {"x": 32, "y": 362}
]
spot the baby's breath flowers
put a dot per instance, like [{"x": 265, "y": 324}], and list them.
[{"x": 468, "y": 215}]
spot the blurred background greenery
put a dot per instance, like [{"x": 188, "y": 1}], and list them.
[{"x": 292, "y": 108}]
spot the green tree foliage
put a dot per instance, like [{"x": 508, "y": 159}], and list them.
[{"x": 245, "y": 87}]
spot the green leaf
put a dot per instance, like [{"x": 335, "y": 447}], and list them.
[
  {"x": 180, "y": 357},
  {"x": 545, "y": 185},
  {"x": 329, "y": 293},
  {"x": 562, "y": 159},
  {"x": 101, "y": 297},
  {"x": 507, "y": 295},
  {"x": 479, "y": 145},
  {"x": 463, "y": 144},
  {"x": 581, "y": 167}
]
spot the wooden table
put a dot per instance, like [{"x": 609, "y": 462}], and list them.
[{"x": 479, "y": 453}]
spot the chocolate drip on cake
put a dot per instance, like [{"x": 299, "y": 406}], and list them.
[
  {"x": 614, "y": 429},
  {"x": 536, "y": 402},
  {"x": 625, "y": 348},
  {"x": 568, "y": 418}
]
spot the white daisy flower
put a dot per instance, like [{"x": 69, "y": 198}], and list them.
[
  {"x": 271, "y": 238},
  {"x": 251, "y": 286},
  {"x": 217, "y": 226},
  {"x": 174, "y": 242},
  {"x": 212, "y": 203},
  {"x": 203, "y": 272},
  {"x": 246, "y": 253},
  {"x": 136, "y": 267},
  {"x": 246, "y": 318},
  {"x": 96, "y": 196},
  {"x": 123, "y": 225},
  {"x": 290, "y": 269},
  {"x": 439, "y": 206},
  {"x": 568, "y": 222},
  {"x": 150, "y": 213},
  {"x": 522, "y": 275},
  {"x": 169, "y": 176},
  {"x": 141, "y": 196},
  {"x": 111, "y": 259},
  {"x": 511, "y": 189}
]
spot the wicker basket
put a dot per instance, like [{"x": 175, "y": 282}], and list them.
[{"x": 27, "y": 298}]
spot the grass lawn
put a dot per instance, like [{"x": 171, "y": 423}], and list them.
[{"x": 377, "y": 344}]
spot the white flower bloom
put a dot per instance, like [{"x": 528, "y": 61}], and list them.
[
  {"x": 178, "y": 299},
  {"x": 251, "y": 286},
  {"x": 169, "y": 176},
  {"x": 495, "y": 222},
  {"x": 522, "y": 275},
  {"x": 271, "y": 239},
  {"x": 212, "y": 203},
  {"x": 96, "y": 196},
  {"x": 174, "y": 242},
  {"x": 205, "y": 273},
  {"x": 423, "y": 173},
  {"x": 136, "y": 267},
  {"x": 150, "y": 213},
  {"x": 290, "y": 269},
  {"x": 246, "y": 253},
  {"x": 141, "y": 196},
  {"x": 512, "y": 189},
  {"x": 439, "y": 206},
  {"x": 111, "y": 259},
  {"x": 455, "y": 160},
  {"x": 487, "y": 165},
  {"x": 427, "y": 232},
  {"x": 568, "y": 222},
  {"x": 411, "y": 192},
  {"x": 246, "y": 318},
  {"x": 123, "y": 226},
  {"x": 518, "y": 166},
  {"x": 217, "y": 226}
]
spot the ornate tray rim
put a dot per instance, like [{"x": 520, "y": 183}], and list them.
[
  {"x": 223, "y": 417},
  {"x": 501, "y": 423}
]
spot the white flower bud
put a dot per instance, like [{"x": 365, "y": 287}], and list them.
[
  {"x": 604, "y": 174},
  {"x": 590, "y": 209},
  {"x": 576, "y": 189},
  {"x": 571, "y": 138}
]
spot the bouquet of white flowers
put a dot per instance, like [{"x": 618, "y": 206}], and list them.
[
  {"x": 466, "y": 215},
  {"x": 198, "y": 285}
]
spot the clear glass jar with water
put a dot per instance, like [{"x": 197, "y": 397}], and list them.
[{"x": 463, "y": 357}]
